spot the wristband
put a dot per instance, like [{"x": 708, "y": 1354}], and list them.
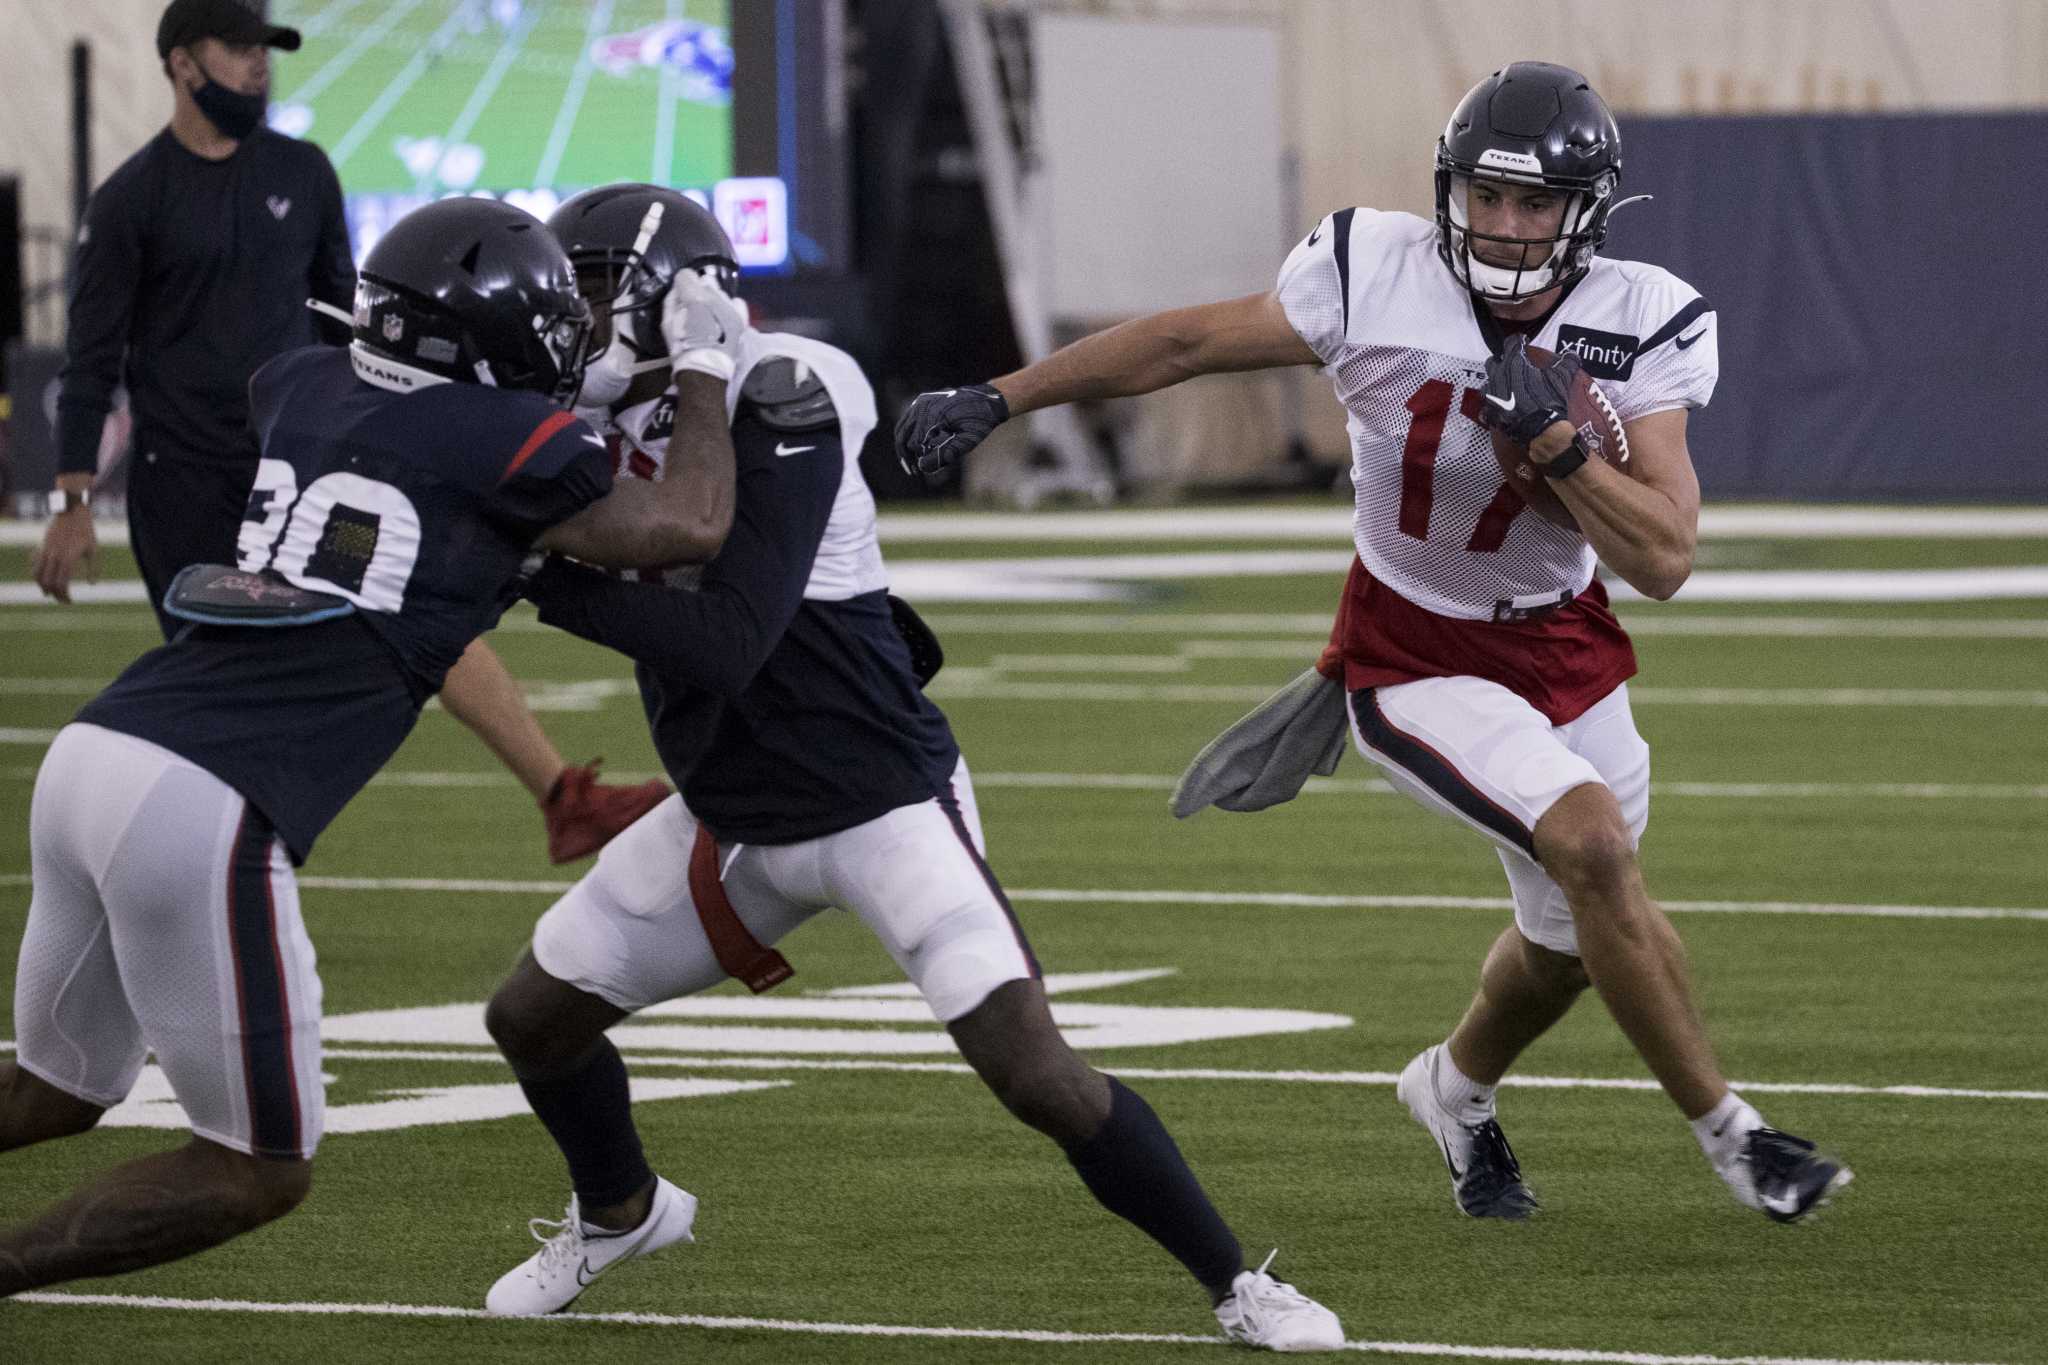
[
  {"x": 63, "y": 500},
  {"x": 1563, "y": 464}
]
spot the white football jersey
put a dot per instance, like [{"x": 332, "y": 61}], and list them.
[
  {"x": 849, "y": 560},
  {"x": 1403, "y": 343}
]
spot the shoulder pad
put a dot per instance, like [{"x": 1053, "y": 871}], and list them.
[{"x": 787, "y": 395}]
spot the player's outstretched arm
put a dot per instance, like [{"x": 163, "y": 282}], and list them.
[{"x": 1140, "y": 356}]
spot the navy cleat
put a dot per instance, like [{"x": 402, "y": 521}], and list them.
[
  {"x": 1784, "y": 1176},
  {"x": 1486, "y": 1179}
]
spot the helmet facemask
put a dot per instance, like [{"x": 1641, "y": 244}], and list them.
[{"x": 1559, "y": 258}]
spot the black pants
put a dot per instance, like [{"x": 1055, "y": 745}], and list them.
[{"x": 183, "y": 511}]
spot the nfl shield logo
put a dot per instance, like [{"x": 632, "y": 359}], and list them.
[{"x": 394, "y": 327}]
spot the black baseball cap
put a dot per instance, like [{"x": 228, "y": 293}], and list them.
[{"x": 232, "y": 21}]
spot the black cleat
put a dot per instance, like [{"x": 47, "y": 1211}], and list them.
[
  {"x": 1486, "y": 1180},
  {"x": 1787, "y": 1178}
]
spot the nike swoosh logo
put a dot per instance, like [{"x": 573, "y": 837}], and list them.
[
  {"x": 1782, "y": 1203},
  {"x": 583, "y": 1273},
  {"x": 1504, "y": 404},
  {"x": 597, "y": 441},
  {"x": 1316, "y": 236},
  {"x": 1456, "y": 1174},
  {"x": 781, "y": 449},
  {"x": 1684, "y": 342}
]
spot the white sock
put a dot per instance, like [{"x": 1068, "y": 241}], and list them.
[
  {"x": 1723, "y": 1130},
  {"x": 1466, "y": 1098}
]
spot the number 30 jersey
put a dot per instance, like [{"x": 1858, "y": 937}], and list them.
[
  {"x": 418, "y": 508},
  {"x": 1406, "y": 347}
]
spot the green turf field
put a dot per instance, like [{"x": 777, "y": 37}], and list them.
[
  {"x": 428, "y": 96},
  {"x": 1833, "y": 779}
]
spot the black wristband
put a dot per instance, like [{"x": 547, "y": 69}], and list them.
[{"x": 1563, "y": 464}]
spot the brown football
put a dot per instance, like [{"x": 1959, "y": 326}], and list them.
[{"x": 1599, "y": 432}]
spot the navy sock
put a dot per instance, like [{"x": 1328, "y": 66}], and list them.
[
  {"x": 1134, "y": 1169},
  {"x": 589, "y": 1113}
]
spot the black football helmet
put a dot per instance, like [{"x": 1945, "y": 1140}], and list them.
[
  {"x": 473, "y": 291},
  {"x": 627, "y": 242},
  {"x": 1529, "y": 123}
]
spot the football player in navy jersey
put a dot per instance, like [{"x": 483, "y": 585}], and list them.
[
  {"x": 1484, "y": 671},
  {"x": 784, "y": 687},
  {"x": 403, "y": 483}
]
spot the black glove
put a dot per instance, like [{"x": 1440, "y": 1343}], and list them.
[
  {"x": 1523, "y": 398},
  {"x": 940, "y": 427}
]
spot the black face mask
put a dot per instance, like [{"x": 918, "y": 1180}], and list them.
[{"x": 235, "y": 115}]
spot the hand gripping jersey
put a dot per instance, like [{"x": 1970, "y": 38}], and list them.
[
  {"x": 416, "y": 508},
  {"x": 779, "y": 693},
  {"x": 1436, "y": 525}
]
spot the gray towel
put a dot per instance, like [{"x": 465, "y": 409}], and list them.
[{"x": 1264, "y": 758}]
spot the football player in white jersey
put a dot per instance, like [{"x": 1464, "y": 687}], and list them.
[
  {"x": 1486, "y": 675},
  {"x": 783, "y": 688}
]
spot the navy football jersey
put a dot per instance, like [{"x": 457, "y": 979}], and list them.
[
  {"x": 779, "y": 693},
  {"x": 419, "y": 509}
]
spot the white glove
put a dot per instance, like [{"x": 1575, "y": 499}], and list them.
[{"x": 702, "y": 325}]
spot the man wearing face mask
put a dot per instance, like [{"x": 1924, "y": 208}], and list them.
[{"x": 195, "y": 264}]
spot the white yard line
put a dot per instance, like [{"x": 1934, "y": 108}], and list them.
[
  {"x": 964, "y": 685},
  {"x": 394, "y": 91},
  {"x": 1363, "y": 1078},
  {"x": 1328, "y": 524},
  {"x": 1333, "y": 522},
  {"x": 329, "y": 72},
  {"x": 1560, "y": 1356},
  {"x": 1317, "y": 786},
  {"x": 572, "y": 97},
  {"x": 1255, "y": 899},
  {"x": 662, "y": 163},
  {"x": 1313, "y": 628}
]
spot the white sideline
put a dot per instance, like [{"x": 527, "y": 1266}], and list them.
[
  {"x": 1317, "y": 786},
  {"x": 1563, "y": 1356},
  {"x": 1155, "y": 1073},
  {"x": 1757, "y": 521},
  {"x": 1259, "y": 899}
]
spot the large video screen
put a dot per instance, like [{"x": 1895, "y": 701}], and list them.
[{"x": 525, "y": 100}]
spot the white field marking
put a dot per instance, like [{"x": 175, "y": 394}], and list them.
[
  {"x": 964, "y": 685},
  {"x": 10, "y": 734},
  {"x": 1313, "y": 628},
  {"x": 394, "y": 91},
  {"x": 572, "y": 97},
  {"x": 1263, "y": 899},
  {"x": 494, "y": 75},
  {"x": 1333, "y": 522},
  {"x": 1313, "y": 901},
  {"x": 1854, "y": 585},
  {"x": 902, "y": 1331},
  {"x": 662, "y": 164},
  {"x": 483, "y": 1055},
  {"x": 1316, "y": 786},
  {"x": 332, "y": 69},
  {"x": 1088, "y": 663},
  {"x": 1157, "y": 1073},
  {"x": 1102, "y": 578},
  {"x": 152, "y": 1103}
]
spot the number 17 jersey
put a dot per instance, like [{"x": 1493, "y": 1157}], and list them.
[{"x": 1406, "y": 347}]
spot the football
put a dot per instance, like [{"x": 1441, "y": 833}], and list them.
[{"x": 1599, "y": 431}]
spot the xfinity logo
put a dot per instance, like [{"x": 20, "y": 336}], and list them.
[{"x": 1606, "y": 355}]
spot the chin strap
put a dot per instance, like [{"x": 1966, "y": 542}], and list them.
[{"x": 328, "y": 310}]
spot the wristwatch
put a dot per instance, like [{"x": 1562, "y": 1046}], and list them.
[
  {"x": 64, "y": 500},
  {"x": 1562, "y": 464}
]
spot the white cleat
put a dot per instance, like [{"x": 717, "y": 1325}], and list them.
[
  {"x": 1275, "y": 1316},
  {"x": 570, "y": 1258},
  {"x": 1486, "y": 1180}
]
